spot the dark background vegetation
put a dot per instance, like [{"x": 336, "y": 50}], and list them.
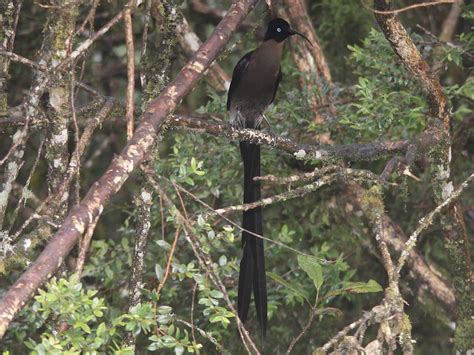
[{"x": 375, "y": 98}]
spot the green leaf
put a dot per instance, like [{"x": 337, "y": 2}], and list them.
[
  {"x": 178, "y": 350},
  {"x": 217, "y": 294},
  {"x": 159, "y": 272},
  {"x": 358, "y": 287},
  {"x": 361, "y": 287},
  {"x": 312, "y": 267},
  {"x": 101, "y": 329},
  {"x": 288, "y": 285},
  {"x": 164, "y": 310},
  {"x": 193, "y": 163}
]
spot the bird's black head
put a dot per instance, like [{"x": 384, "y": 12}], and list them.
[{"x": 279, "y": 30}]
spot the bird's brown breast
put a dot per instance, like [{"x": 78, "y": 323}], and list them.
[{"x": 257, "y": 86}]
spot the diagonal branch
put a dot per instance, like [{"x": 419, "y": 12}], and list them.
[
  {"x": 121, "y": 167},
  {"x": 452, "y": 221},
  {"x": 427, "y": 220}
]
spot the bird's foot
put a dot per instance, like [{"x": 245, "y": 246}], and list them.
[{"x": 264, "y": 118}]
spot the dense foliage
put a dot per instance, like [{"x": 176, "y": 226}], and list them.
[{"x": 321, "y": 253}]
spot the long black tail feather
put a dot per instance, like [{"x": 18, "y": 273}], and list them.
[{"x": 252, "y": 265}]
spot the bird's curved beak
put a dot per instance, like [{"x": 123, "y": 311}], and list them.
[{"x": 294, "y": 32}]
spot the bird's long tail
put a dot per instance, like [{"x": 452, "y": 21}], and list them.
[{"x": 252, "y": 265}]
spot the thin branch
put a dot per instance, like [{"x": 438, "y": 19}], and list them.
[
  {"x": 205, "y": 262},
  {"x": 366, "y": 175},
  {"x": 25, "y": 195},
  {"x": 25, "y": 243},
  {"x": 446, "y": 43},
  {"x": 39, "y": 88},
  {"x": 297, "y": 192},
  {"x": 427, "y": 220},
  {"x": 205, "y": 334},
  {"x": 343, "y": 332},
  {"x": 84, "y": 247},
  {"x": 86, "y": 136},
  {"x": 423, "y": 275},
  {"x": 410, "y": 7},
  {"x": 129, "y": 108},
  {"x": 22, "y": 60},
  {"x": 168, "y": 261},
  {"x": 212, "y": 211},
  {"x": 89, "y": 18},
  {"x": 312, "y": 313},
  {"x": 98, "y": 34}
]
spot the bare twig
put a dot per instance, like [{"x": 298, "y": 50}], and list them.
[
  {"x": 193, "y": 299},
  {"x": 90, "y": 41},
  {"x": 410, "y": 7},
  {"x": 297, "y": 192},
  {"x": 320, "y": 172},
  {"x": 205, "y": 334},
  {"x": 343, "y": 332},
  {"x": 427, "y": 220},
  {"x": 312, "y": 313},
  {"x": 84, "y": 247},
  {"x": 130, "y": 72},
  {"x": 168, "y": 261},
  {"x": 91, "y": 125},
  {"x": 213, "y": 211},
  {"x": 89, "y": 18},
  {"x": 25, "y": 190},
  {"x": 19, "y": 59}
]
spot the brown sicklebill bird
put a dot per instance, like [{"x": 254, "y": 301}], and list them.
[{"x": 254, "y": 84}]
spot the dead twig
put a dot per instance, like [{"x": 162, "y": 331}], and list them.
[
  {"x": 84, "y": 247},
  {"x": 427, "y": 220},
  {"x": 168, "y": 261},
  {"x": 129, "y": 107},
  {"x": 408, "y": 8}
]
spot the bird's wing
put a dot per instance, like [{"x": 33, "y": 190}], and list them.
[
  {"x": 276, "y": 84},
  {"x": 237, "y": 75}
]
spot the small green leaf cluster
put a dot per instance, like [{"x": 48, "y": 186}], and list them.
[
  {"x": 72, "y": 320},
  {"x": 75, "y": 321},
  {"x": 387, "y": 101},
  {"x": 186, "y": 170},
  {"x": 169, "y": 336}
]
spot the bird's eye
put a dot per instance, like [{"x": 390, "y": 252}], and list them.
[{"x": 278, "y": 29}]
